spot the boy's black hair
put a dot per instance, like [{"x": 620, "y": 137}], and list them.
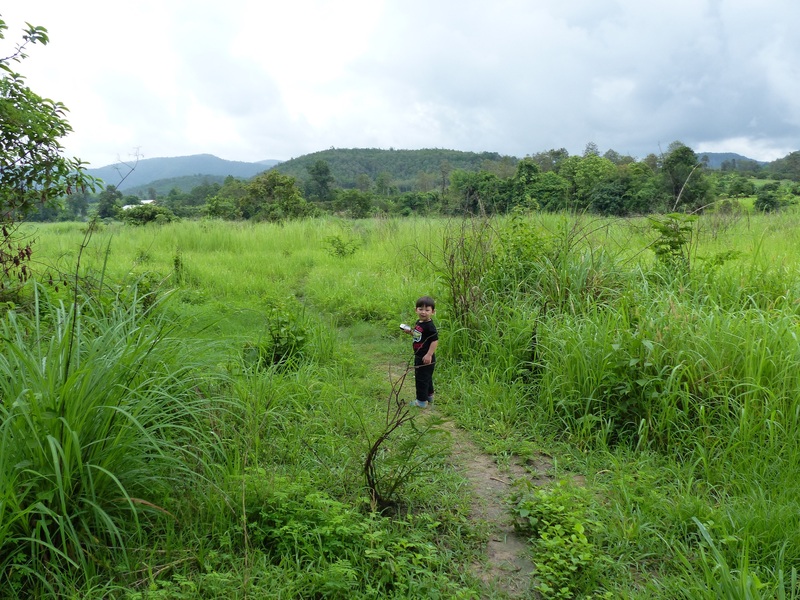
[{"x": 426, "y": 301}]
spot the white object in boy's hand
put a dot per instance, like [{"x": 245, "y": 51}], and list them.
[{"x": 405, "y": 327}]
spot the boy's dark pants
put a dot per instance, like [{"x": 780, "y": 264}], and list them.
[{"x": 423, "y": 378}]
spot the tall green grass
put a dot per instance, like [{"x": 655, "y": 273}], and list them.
[
  {"x": 104, "y": 416},
  {"x": 673, "y": 392}
]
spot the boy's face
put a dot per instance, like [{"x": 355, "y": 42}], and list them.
[{"x": 424, "y": 313}]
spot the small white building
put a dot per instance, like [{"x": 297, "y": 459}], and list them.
[{"x": 127, "y": 206}]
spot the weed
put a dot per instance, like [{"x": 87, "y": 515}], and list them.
[
  {"x": 339, "y": 247},
  {"x": 388, "y": 467},
  {"x": 560, "y": 522}
]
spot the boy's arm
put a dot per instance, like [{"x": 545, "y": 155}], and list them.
[{"x": 426, "y": 360}]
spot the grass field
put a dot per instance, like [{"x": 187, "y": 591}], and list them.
[{"x": 198, "y": 415}]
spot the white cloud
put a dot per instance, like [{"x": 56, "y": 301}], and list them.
[{"x": 250, "y": 80}]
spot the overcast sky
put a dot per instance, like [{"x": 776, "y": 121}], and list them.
[{"x": 262, "y": 79}]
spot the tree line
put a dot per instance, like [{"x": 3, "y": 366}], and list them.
[{"x": 609, "y": 184}]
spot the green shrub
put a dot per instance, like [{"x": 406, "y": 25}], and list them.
[
  {"x": 284, "y": 339},
  {"x": 143, "y": 214},
  {"x": 560, "y": 522}
]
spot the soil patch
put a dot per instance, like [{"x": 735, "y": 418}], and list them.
[{"x": 508, "y": 569}]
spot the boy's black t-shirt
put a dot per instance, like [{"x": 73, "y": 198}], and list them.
[{"x": 425, "y": 332}]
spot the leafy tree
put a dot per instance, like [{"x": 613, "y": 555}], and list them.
[
  {"x": 218, "y": 207},
  {"x": 383, "y": 183},
  {"x": 109, "y": 202},
  {"x": 357, "y": 204},
  {"x": 148, "y": 213},
  {"x": 445, "y": 168},
  {"x": 787, "y": 167},
  {"x": 417, "y": 203},
  {"x": 320, "y": 184},
  {"x": 768, "y": 199},
  {"x": 523, "y": 184},
  {"x": 591, "y": 150},
  {"x": 609, "y": 198},
  {"x": 739, "y": 186},
  {"x": 477, "y": 192},
  {"x": 551, "y": 191},
  {"x": 232, "y": 189},
  {"x": 199, "y": 194},
  {"x": 617, "y": 158},
  {"x": 273, "y": 196},
  {"x": 550, "y": 160},
  {"x": 78, "y": 205},
  {"x": 642, "y": 188},
  {"x": 684, "y": 178},
  {"x": 363, "y": 182},
  {"x": 591, "y": 171},
  {"x": 425, "y": 182},
  {"x": 567, "y": 170},
  {"x": 652, "y": 161},
  {"x": 33, "y": 170}
]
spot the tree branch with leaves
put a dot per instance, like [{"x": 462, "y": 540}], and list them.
[{"x": 33, "y": 169}]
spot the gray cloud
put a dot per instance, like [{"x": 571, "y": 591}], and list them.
[{"x": 252, "y": 80}]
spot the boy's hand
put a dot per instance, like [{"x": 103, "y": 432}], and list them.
[{"x": 426, "y": 360}]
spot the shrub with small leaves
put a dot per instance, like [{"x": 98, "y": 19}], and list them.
[
  {"x": 284, "y": 340},
  {"x": 340, "y": 247},
  {"x": 559, "y": 520}
]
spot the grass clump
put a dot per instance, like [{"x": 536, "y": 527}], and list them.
[{"x": 103, "y": 417}]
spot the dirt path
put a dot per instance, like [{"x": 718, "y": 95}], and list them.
[{"x": 508, "y": 568}]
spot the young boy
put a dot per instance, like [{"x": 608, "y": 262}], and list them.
[{"x": 426, "y": 338}]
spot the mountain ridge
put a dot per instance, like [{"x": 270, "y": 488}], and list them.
[
  {"x": 128, "y": 175},
  {"x": 183, "y": 172}
]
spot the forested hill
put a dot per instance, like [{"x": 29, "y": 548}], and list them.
[
  {"x": 402, "y": 166},
  {"x": 131, "y": 174}
]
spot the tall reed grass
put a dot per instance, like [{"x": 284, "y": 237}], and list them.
[{"x": 104, "y": 415}]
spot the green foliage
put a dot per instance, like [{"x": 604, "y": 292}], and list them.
[
  {"x": 355, "y": 203},
  {"x": 591, "y": 172},
  {"x": 148, "y": 213},
  {"x": 111, "y": 413},
  {"x": 32, "y": 168},
  {"x": 672, "y": 397},
  {"x": 551, "y": 191},
  {"x": 34, "y": 173},
  {"x": 684, "y": 179},
  {"x": 284, "y": 341},
  {"x": 721, "y": 581},
  {"x": 673, "y": 245},
  {"x": 109, "y": 203},
  {"x": 320, "y": 183},
  {"x": 400, "y": 451},
  {"x": 465, "y": 257},
  {"x": 561, "y": 523},
  {"x": 221, "y": 208},
  {"x": 332, "y": 551},
  {"x": 339, "y": 247},
  {"x": 272, "y": 196},
  {"x": 347, "y": 165},
  {"x": 787, "y": 167},
  {"x": 767, "y": 198}
]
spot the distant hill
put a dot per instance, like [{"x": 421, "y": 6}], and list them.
[
  {"x": 149, "y": 170},
  {"x": 347, "y": 164},
  {"x": 162, "y": 187},
  {"x": 715, "y": 159}
]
